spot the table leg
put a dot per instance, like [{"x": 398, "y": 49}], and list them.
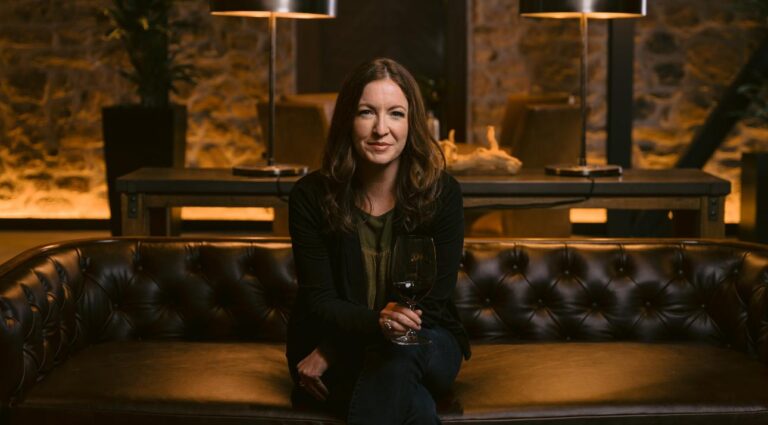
[
  {"x": 164, "y": 221},
  {"x": 712, "y": 217},
  {"x": 135, "y": 215},
  {"x": 280, "y": 221}
]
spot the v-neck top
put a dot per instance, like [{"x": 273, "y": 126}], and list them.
[{"x": 375, "y": 234}]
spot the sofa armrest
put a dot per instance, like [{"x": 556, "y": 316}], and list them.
[{"x": 37, "y": 318}]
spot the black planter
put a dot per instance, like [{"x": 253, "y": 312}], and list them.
[{"x": 137, "y": 136}]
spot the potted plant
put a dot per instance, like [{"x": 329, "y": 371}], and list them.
[{"x": 151, "y": 132}]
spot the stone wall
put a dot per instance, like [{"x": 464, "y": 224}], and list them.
[
  {"x": 686, "y": 54},
  {"x": 57, "y": 71}
]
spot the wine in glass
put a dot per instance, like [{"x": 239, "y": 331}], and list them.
[{"x": 413, "y": 274}]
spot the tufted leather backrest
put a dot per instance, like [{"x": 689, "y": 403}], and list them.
[
  {"x": 56, "y": 300},
  {"x": 603, "y": 290}
]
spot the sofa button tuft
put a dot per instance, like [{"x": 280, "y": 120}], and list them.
[
  {"x": 487, "y": 301},
  {"x": 594, "y": 304},
  {"x": 647, "y": 303},
  {"x": 567, "y": 272},
  {"x": 703, "y": 305}
]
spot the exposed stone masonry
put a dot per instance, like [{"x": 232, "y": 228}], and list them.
[
  {"x": 686, "y": 54},
  {"x": 57, "y": 71}
]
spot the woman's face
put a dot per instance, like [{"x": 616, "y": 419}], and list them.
[{"x": 380, "y": 128}]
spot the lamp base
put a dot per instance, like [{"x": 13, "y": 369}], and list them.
[
  {"x": 571, "y": 170},
  {"x": 274, "y": 170}
]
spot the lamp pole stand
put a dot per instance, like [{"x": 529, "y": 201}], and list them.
[
  {"x": 272, "y": 82},
  {"x": 584, "y": 82},
  {"x": 271, "y": 169},
  {"x": 583, "y": 169}
]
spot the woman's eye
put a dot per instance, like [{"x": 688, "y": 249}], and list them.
[
  {"x": 364, "y": 112},
  {"x": 399, "y": 114}
]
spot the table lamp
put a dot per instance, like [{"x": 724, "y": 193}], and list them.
[
  {"x": 583, "y": 9},
  {"x": 273, "y": 9}
]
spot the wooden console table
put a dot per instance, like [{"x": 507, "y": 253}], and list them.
[{"x": 671, "y": 189}]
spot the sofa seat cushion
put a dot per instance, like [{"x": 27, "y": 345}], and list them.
[
  {"x": 167, "y": 382},
  {"x": 574, "y": 383},
  {"x": 561, "y": 383}
]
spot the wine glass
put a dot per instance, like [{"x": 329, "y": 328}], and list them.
[{"x": 413, "y": 274}]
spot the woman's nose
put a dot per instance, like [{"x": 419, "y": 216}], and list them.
[{"x": 381, "y": 128}]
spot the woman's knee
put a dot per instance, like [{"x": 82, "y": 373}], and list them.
[{"x": 396, "y": 357}]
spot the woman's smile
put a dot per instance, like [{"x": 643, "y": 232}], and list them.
[
  {"x": 380, "y": 128},
  {"x": 379, "y": 146}
]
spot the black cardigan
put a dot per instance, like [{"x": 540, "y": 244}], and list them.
[{"x": 330, "y": 305}]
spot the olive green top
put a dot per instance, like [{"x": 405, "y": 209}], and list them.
[{"x": 375, "y": 235}]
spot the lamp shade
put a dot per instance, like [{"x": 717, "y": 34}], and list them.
[
  {"x": 299, "y": 9},
  {"x": 594, "y": 9}
]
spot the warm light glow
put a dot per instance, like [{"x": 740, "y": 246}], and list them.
[
  {"x": 571, "y": 15},
  {"x": 265, "y": 14},
  {"x": 588, "y": 215},
  {"x": 227, "y": 214},
  {"x": 296, "y": 9}
]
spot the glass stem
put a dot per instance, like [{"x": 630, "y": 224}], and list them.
[{"x": 411, "y": 333}]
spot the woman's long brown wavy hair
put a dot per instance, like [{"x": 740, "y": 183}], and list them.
[{"x": 421, "y": 162}]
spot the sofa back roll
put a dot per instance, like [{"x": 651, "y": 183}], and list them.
[{"x": 59, "y": 299}]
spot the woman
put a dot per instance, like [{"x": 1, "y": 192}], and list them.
[{"x": 382, "y": 176}]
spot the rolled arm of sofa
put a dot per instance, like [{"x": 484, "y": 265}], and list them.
[{"x": 37, "y": 318}]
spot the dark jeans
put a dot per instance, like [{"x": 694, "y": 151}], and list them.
[{"x": 393, "y": 384}]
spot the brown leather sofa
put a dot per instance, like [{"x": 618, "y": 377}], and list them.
[{"x": 169, "y": 331}]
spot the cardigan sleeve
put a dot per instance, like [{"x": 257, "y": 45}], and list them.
[
  {"x": 447, "y": 231},
  {"x": 314, "y": 269}
]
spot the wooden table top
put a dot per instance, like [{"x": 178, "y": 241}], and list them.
[{"x": 529, "y": 182}]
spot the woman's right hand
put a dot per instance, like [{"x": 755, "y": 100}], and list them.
[
  {"x": 395, "y": 320},
  {"x": 311, "y": 370}
]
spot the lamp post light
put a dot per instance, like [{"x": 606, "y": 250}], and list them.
[
  {"x": 273, "y": 9},
  {"x": 583, "y": 10}
]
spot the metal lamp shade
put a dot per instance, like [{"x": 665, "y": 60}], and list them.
[
  {"x": 297, "y": 9},
  {"x": 594, "y": 9}
]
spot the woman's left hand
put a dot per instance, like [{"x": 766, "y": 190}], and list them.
[
  {"x": 395, "y": 320},
  {"x": 311, "y": 370}
]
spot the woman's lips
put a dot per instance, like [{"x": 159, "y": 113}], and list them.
[{"x": 379, "y": 147}]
